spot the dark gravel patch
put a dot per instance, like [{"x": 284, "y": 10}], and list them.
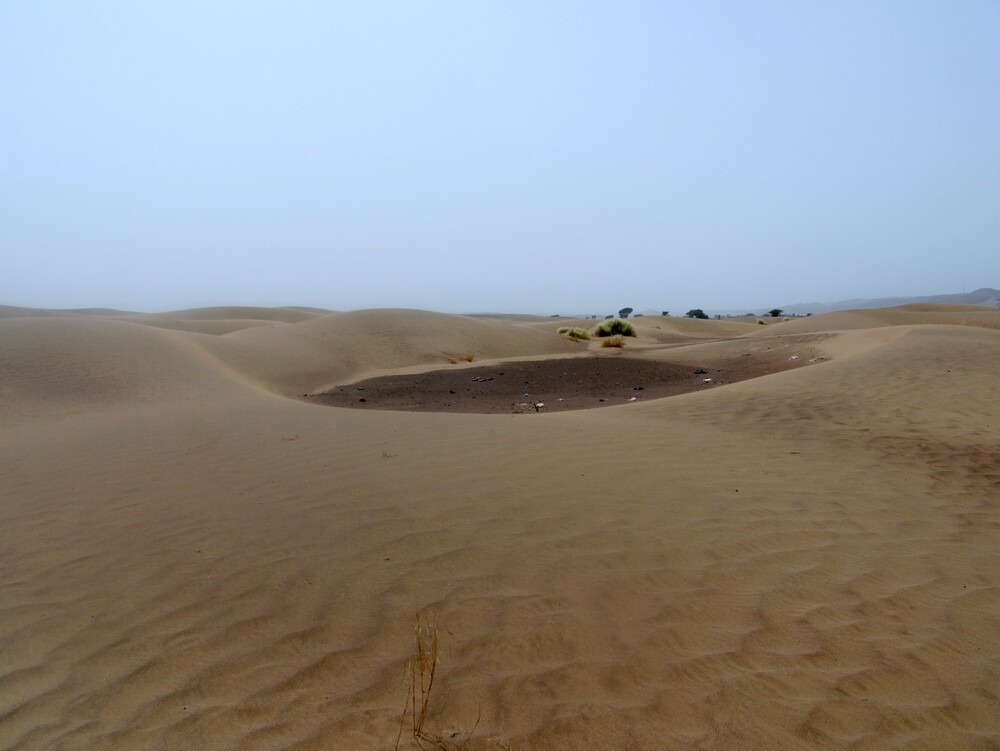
[{"x": 558, "y": 385}]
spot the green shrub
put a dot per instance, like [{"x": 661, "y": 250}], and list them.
[{"x": 615, "y": 327}]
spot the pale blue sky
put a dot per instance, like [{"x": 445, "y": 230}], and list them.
[{"x": 560, "y": 157}]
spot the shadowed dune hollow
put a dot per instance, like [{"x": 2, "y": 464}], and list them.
[{"x": 550, "y": 385}]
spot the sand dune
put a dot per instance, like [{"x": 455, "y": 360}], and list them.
[
  {"x": 237, "y": 312},
  {"x": 193, "y": 557},
  {"x": 225, "y": 320},
  {"x": 953, "y": 315},
  {"x": 315, "y": 354}
]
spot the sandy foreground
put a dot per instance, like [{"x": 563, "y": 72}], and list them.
[{"x": 193, "y": 556}]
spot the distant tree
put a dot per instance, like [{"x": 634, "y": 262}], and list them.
[
  {"x": 665, "y": 313},
  {"x": 774, "y": 313},
  {"x": 696, "y": 313},
  {"x": 608, "y": 318},
  {"x": 624, "y": 312}
]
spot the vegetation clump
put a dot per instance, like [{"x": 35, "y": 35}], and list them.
[
  {"x": 614, "y": 341},
  {"x": 574, "y": 332},
  {"x": 615, "y": 327}
]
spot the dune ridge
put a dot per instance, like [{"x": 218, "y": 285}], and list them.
[{"x": 194, "y": 557}]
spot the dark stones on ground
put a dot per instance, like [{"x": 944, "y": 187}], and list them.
[{"x": 559, "y": 384}]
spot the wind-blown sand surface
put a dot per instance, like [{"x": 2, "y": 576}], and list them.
[{"x": 194, "y": 556}]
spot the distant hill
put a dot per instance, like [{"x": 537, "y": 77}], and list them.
[
  {"x": 13, "y": 311},
  {"x": 985, "y": 296}
]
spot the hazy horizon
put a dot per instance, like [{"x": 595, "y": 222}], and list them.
[
  {"x": 540, "y": 158},
  {"x": 760, "y": 309}
]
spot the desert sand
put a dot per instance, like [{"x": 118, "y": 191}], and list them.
[{"x": 196, "y": 555}]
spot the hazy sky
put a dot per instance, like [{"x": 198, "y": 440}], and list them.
[{"x": 549, "y": 157}]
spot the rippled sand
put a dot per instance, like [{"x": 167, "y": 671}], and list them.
[{"x": 194, "y": 557}]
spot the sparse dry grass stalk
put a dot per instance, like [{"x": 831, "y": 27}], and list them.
[
  {"x": 613, "y": 341},
  {"x": 422, "y": 670}
]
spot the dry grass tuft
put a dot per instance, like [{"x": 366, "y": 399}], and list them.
[
  {"x": 422, "y": 670},
  {"x": 468, "y": 358},
  {"x": 613, "y": 341},
  {"x": 574, "y": 332}
]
